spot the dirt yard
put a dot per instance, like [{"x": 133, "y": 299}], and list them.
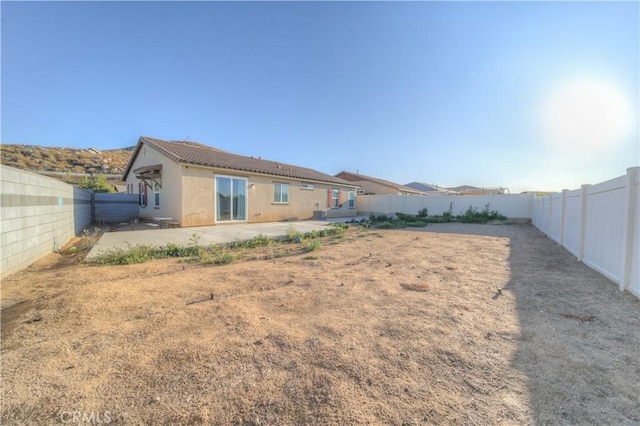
[{"x": 461, "y": 324}]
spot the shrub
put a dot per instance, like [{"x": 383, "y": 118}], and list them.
[
  {"x": 294, "y": 236},
  {"x": 97, "y": 183},
  {"x": 311, "y": 245}
]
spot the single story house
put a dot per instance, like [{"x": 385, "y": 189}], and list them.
[
  {"x": 374, "y": 186},
  {"x": 194, "y": 185}
]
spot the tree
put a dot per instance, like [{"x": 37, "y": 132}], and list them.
[{"x": 96, "y": 183}]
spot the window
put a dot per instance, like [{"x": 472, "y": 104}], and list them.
[
  {"x": 352, "y": 199},
  {"x": 334, "y": 198},
  {"x": 231, "y": 199},
  {"x": 306, "y": 186},
  {"x": 156, "y": 194},
  {"x": 280, "y": 192},
  {"x": 142, "y": 191}
]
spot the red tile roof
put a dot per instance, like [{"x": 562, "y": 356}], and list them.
[{"x": 202, "y": 155}]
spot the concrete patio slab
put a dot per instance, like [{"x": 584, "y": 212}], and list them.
[{"x": 206, "y": 234}]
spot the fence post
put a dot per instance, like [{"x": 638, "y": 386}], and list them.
[
  {"x": 628, "y": 224},
  {"x": 550, "y": 221},
  {"x": 583, "y": 220},
  {"x": 563, "y": 209}
]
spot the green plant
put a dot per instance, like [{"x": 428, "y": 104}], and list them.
[
  {"x": 222, "y": 258},
  {"x": 194, "y": 244},
  {"x": 128, "y": 256},
  {"x": 311, "y": 245},
  {"x": 293, "y": 235},
  {"x": 423, "y": 213},
  {"x": 257, "y": 241},
  {"x": 472, "y": 215},
  {"x": 96, "y": 183}
]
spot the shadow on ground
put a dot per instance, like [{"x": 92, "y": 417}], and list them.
[{"x": 575, "y": 323}]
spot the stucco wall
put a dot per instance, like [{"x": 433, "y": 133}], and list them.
[
  {"x": 170, "y": 193},
  {"x": 375, "y": 188},
  {"x": 302, "y": 201},
  {"x": 188, "y": 194},
  {"x": 199, "y": 196}
]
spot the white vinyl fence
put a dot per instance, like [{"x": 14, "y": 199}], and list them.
[
  {"x": 512, "y": 206},
  {"x": 599, "y": 224}
]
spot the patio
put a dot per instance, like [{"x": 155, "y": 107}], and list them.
[{"x": 125, "y": 235}]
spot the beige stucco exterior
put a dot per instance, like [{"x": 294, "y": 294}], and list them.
[
  {"x": 374, "y": 188},
  {"x": 188, "y": 194},
  {"x": 170, "y": 193}
]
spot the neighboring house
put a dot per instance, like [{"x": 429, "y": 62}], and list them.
[
  {"x": 195, "y": 185},
  {"x": 431, "y": 189},
  {"x": 374, "y": 186},
  {"x": 474, "y": 190}
]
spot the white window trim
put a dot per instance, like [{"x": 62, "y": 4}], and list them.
[
  {"x": 274, "y": 193},
  {"x": 352, "y": 199},
  {"x": 156, "y": 195},
  {"x": 246, "y": 198}
]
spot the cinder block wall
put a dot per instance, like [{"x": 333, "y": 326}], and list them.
[
  {"x": 115, "y": 208},
  {"x": 38, "y": 215}
]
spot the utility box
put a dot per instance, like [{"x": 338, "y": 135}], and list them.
[{"x": 319, "y": 215}]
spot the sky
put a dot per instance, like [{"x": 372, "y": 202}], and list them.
[{"x": 522, "y": 95}]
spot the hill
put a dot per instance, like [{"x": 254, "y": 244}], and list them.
[{"x": 67, "y": 164}]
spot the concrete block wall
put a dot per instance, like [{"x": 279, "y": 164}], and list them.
[
  {"x": 115, "y": 208},
  {"x": 38, "y": 215}
]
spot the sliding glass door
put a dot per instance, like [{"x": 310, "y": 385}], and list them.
[{"x": 231, "y": 199}]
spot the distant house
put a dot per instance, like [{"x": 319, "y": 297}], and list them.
[
  {"x": 474, "y": 190},
  {"x": 195, "y": 185},
  {"x": 374, "y": 186},
  {"x": 431, "y": 189}
]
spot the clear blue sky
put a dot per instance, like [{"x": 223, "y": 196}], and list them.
[{"x": 524, "y": 95}]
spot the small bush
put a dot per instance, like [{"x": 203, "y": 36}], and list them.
[
  {"x": 294, "y": 236},
  {"x": 311, "y": 245},
  {"x": 220, "y": 258},
  {"x": 128, "y": 256}
]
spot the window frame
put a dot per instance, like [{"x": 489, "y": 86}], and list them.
[
  {"x": 335, "y": 198},
  {"x": 285, "y": 192},
  {"x": 156, "y": 195},
  {"x": 142, "y": 192},
  {"x": 352, "y": 199}
]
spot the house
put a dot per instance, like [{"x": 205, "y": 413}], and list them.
[
  {"x": 431, "y": 189},
  {"x": 195, "y": 185},
  {"x": 374, "y": 186}
]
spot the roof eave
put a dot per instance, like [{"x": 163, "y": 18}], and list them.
[{"x": 204, "y": 166}]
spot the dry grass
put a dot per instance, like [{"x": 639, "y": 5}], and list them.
[{"x": 494, "y": 334}]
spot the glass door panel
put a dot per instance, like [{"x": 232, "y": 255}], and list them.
[
  {"x": 231, "y": 199},
  {"x": 239, "y": 199}
]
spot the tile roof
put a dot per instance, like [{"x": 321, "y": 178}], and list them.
[
  {"x": 202, "y": 155},
  {"x": 355, "y": 177},
  {"x": 421, "y": 186}
]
